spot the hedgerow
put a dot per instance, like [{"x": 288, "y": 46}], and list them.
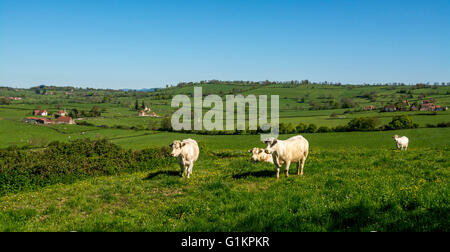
[{"x": 67, "y": 162}]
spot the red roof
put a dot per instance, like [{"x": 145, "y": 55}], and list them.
[{"x": 64, "y": 119}]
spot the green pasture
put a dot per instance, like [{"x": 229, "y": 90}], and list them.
[{"x": 352, "y": 182}]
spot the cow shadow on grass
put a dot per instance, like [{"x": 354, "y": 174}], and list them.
[
  {"x": 259, "y": 174},
  {"x": 157, "y": 173}
]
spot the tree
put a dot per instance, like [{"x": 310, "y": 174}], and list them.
[
  {"x": 312, "y": 128},
  {"x": 347, "y": 102},
  {"x": 363, "y": 124},
  {"x": 153, "y": 125},
  {"x": 143, "y": 104},
  {"x": 74, "y": 113},
  {"x": 4, "y": 101},
  {"x": 166, "y": 124},
  {"x": 323, "y": 129},
  {"x": 401, "y": 122},
  {"x": 136, "y": 106},
  {"x": 95, "y": 111},
  {"x": 301, "y": 127}
]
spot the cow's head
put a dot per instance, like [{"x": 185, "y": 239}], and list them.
[
  {"x": 176, "y": 148},
  {"x": 395, "y": 137},
  {"x": 271, "y": 145},
  {"x": 257, "y": 154}
]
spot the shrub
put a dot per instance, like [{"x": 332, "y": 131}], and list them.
[
  {"x": 443, "y": 124},
  {"x": 323, "y": 129},
  {"x": 363, "y": 124},
  {"x": 401, "y": 122},
  {"x": 312, "y": 128},
  {"x": 67, "y": 162},
  {"x": 301, "y": 127}
]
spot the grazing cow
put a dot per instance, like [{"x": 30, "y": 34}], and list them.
[
  {"x": 294, "y": 149},
  {"x": 402, "y": 142},
  {"x": 259, "y": 155},
  {"x": 187, "y": 152}
]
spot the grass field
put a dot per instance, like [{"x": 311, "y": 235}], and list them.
[
  {"x": 361, "y": 184},
  {"x": 353, "y": 181}
]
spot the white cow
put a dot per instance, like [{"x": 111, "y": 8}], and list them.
[
  {"x": 187, "y": 152},
  {"x": 294, "y": 149},
  {"x": 259, "y": 155},
  {"x": 402, "y": 142}
]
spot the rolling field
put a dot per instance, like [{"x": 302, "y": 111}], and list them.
[{"x": 353, "y": 181}]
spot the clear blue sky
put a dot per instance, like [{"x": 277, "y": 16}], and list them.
[{"x": 144, "y": 44}]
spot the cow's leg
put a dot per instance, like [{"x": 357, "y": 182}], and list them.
[
  {"x": 182, "y": 169},
  {"x": 277, "y": 166},
  {"x": 186, "y": 170},
  {"x": 288, "y": 163},
  {"x": 191, "y": 165},
  {"x": 302, "y": 164}
]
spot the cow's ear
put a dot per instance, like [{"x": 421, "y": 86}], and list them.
[
  {"x": 183, "y": 144},
  {"x": 275, "y": 141},
  {"x": 260, "y": 150},
  {"x": 249, "y": 151}
]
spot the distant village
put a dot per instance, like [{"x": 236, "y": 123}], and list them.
[
  {"x": 146, "y": 112},
  {"x": 405, "y": 105},
  {"x": 60, "y": 118}
]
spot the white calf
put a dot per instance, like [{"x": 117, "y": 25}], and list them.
[
  {"x": 294, "y": 149},
  {"x": 259, "y": 155},
  {"x": 187, "y": 152},
  {"x": 401, "y": 142}
]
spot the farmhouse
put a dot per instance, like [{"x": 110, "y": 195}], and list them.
[
  {"x": 40, "y": 112},
  {"x": 62, "y": 113},
  {"x": 64, "y": 120},
  {"x": 60, "y": 120},
  {"x": 36, "y": 120},
  {"x": 15, "y": 98},
  {"x": 427, "y": 107},
  {"x": 390, "y": 108},
  {"x": 143, "y": 113},
  {"x": 440, "y": 108},
  {"x": 154, "y": 115}
]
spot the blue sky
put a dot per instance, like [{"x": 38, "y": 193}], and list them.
[{"x": 144, "y": 44}]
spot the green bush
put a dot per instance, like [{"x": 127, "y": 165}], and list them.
[
  {"x": 67, "y": 162},
  {"x": 363, "y": 124},
  {"x": 401, "y": 122}
]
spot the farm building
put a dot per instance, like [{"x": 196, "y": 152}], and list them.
[
  {"x": 15, "y": 98},
  {"x": 390, "y": 108},
  {"x": 143, "y": 113},
  {"x": 440, "y": 108},
  {"x": 36, "y": 120},
  {"x": 64, "y": 120},
  {"x": 60, "y": 120},
  {"x": 427, "y": 107},
  {"x": 40, "y": 112},
  {"x": 367, "y": 108},
  {"x": 154, "y": 115},
  {"x": 62, "y": 113}
]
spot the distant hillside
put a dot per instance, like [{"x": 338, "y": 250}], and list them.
[{"x": 139, "y": 90}]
